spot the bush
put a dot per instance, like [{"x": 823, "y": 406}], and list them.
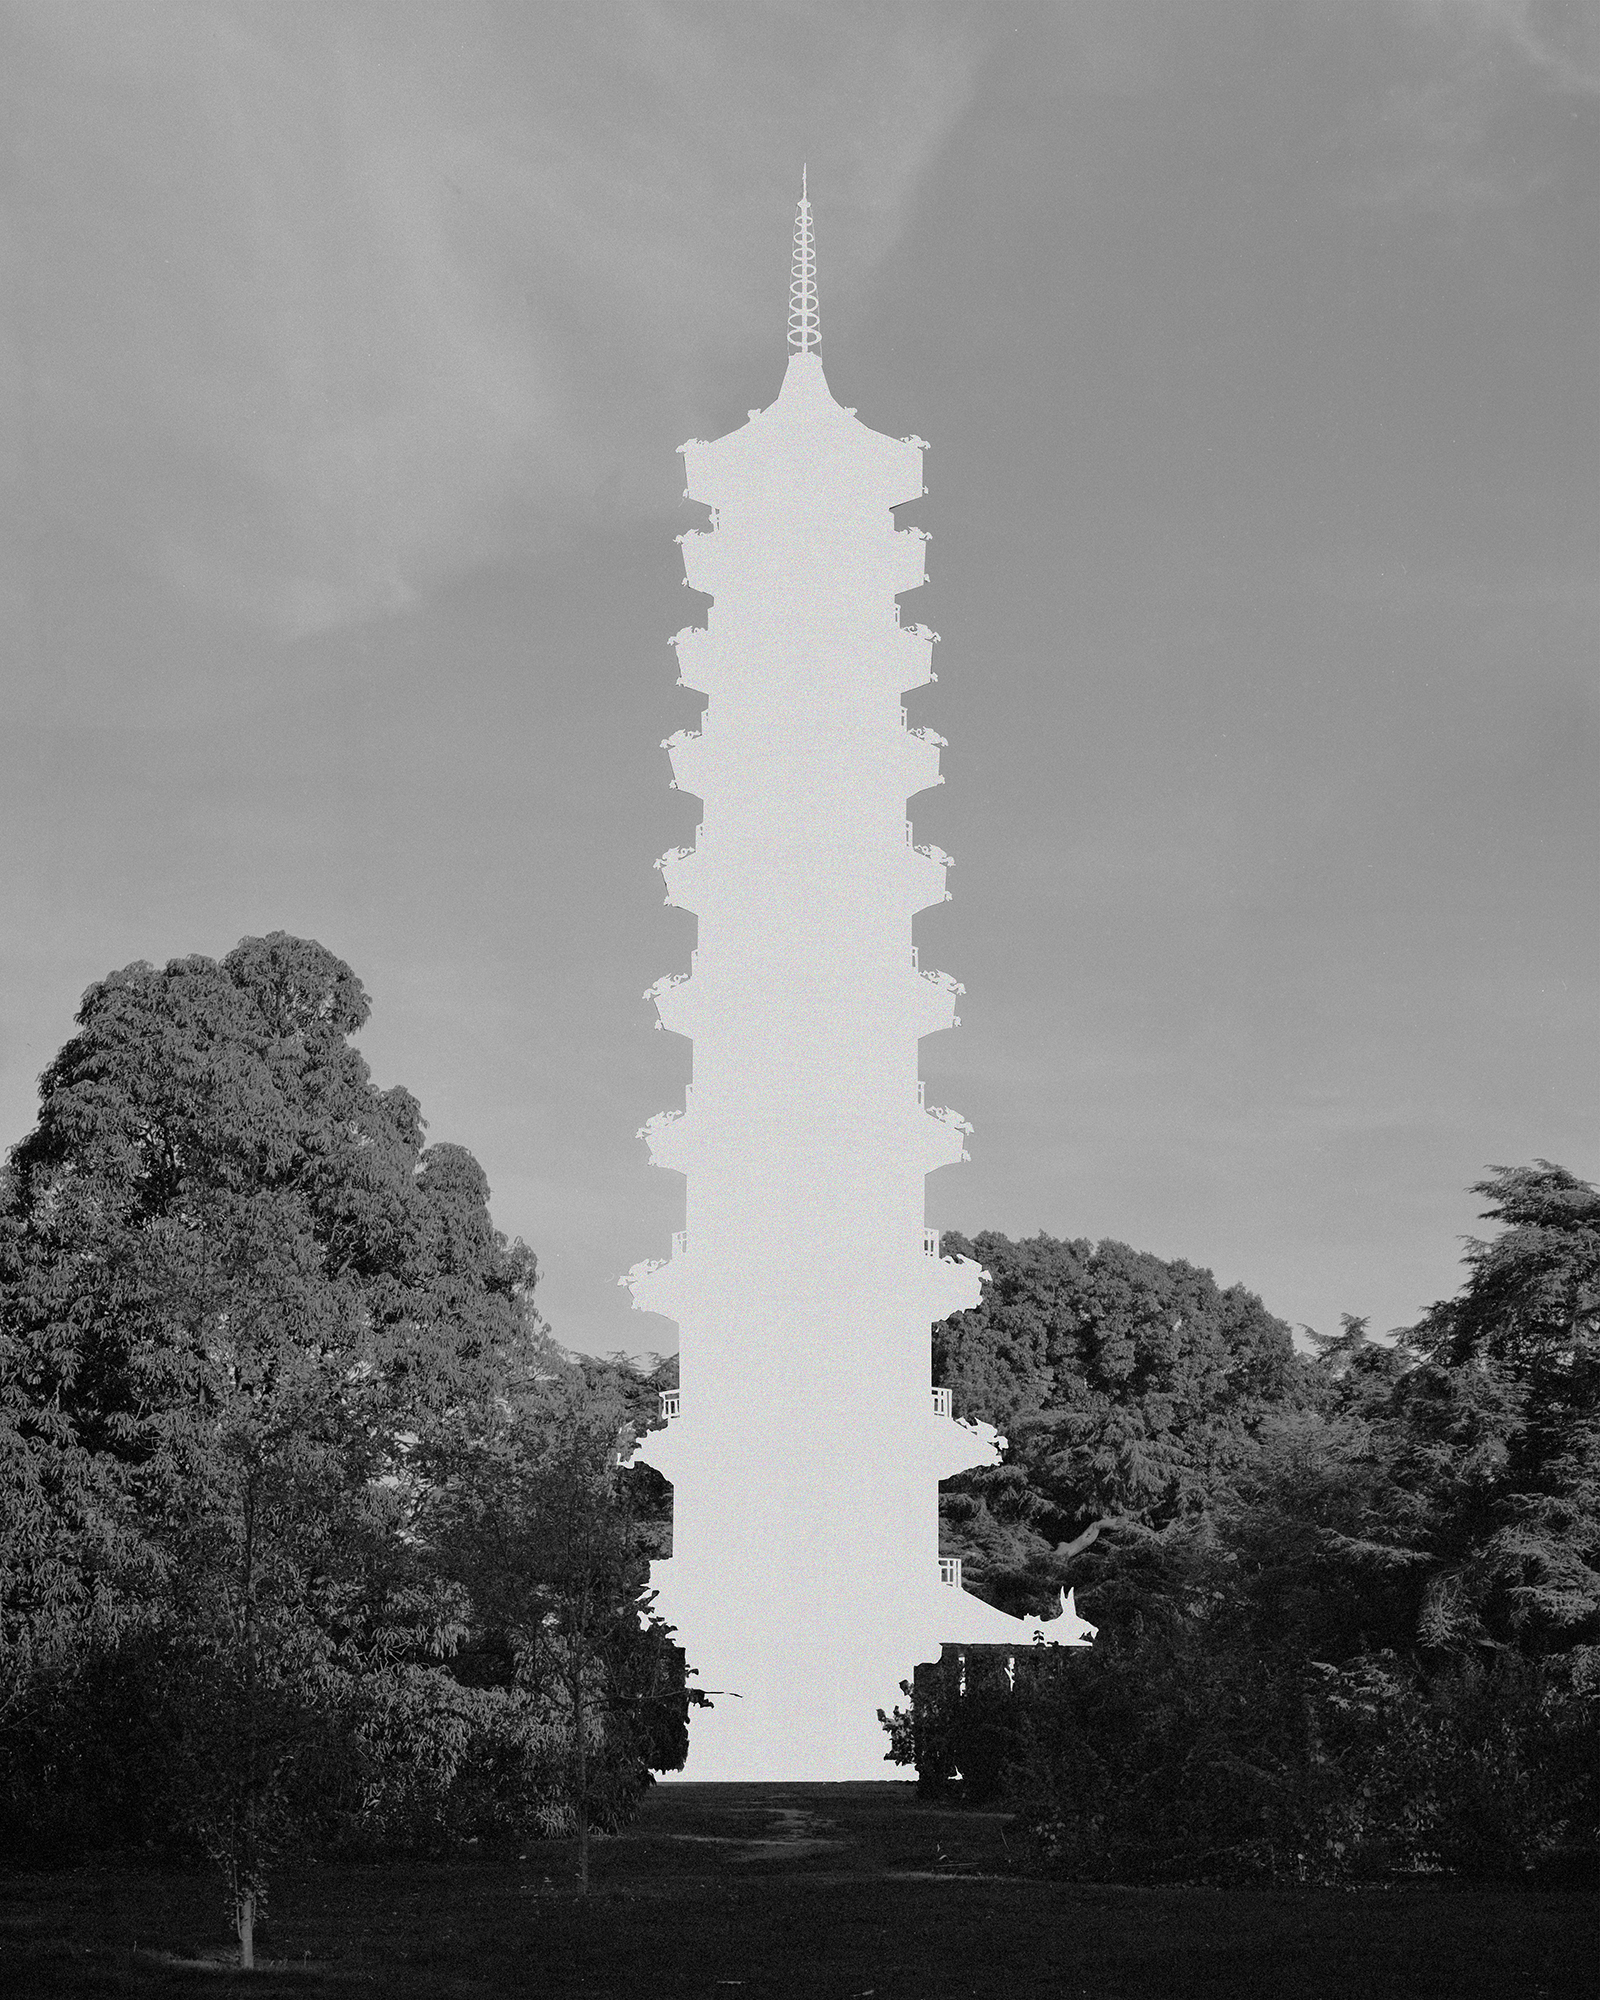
[{"x": 1165, "y": 1756}]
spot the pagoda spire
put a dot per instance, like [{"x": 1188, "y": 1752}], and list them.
[{"x": 804, "y": 332}]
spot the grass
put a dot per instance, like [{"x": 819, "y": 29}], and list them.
[{"x": 761, "y": 1892}]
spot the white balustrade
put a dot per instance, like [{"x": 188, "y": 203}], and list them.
[
  {"x": 941, "y": 1403},
  {"x": 950, "y": 1571},
  {"x": 669, "y": 1403},
  {"x": 930, "y": 1243}
]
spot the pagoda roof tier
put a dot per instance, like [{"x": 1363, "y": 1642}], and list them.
[{"x": 804, "y": 442}]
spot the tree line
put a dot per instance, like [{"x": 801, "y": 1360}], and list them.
[
  {"x": 1349, "y": 1603},
  {"x": 313, "y": 1537}
]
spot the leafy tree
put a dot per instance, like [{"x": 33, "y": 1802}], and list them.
[
  {"x": 528, "y": 1505},
  {"x": 236, "y": 1294},
  {"x": 1130, "y": 1390}
]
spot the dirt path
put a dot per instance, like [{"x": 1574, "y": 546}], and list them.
[{"x": 864, "y": 1830}]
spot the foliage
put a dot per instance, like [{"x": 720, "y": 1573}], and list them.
[
  {"x": 528, "y": 1507},
  {"x": 1130, "y": 1390},
  {"x": 73, "y": 1568},
  {"x": 1177, "y": 1751},
  {"x": 646, "y": 1495},
  {"x": 1498, "y": 1431},
  {"x": 247, "y": 1320},
  {"x": 311, "y": 1536},
  {"x": 1362, "y": 1638}
]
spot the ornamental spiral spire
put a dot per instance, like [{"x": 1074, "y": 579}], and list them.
[{"x": 804, "y": 333}]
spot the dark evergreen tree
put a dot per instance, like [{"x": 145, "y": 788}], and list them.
[
  {"x": 1130, "y": 1390},
  {"x": 1498, "y": 1431}
]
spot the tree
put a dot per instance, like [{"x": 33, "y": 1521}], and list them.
[
  {"x": 1498, "y": 1429},
  {"x": 1130, "y": 1390},
  {"x": 1357, "y": 1631},
  {"x": 236, "y": 1295},
  {"x": 529, "y": 1508}
]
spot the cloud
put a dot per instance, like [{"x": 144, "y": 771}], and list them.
[
  {"x": 1449, "y": 131},
  {"x": 319, "y": 299},
  {"x": 1557, "y": 42},
  {"x": 259, "y": 365}
]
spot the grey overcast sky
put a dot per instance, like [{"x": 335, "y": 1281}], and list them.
[{"x": 347, "y": 345}]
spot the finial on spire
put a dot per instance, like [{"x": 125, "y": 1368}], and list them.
[{"x": 804, "y": 333}]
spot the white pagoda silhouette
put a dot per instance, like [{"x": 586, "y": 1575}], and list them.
[{"x": 806, "y": 1444}]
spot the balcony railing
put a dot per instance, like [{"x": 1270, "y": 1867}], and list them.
[
  {"x": 930, "y": 1243},
  {"x": 669, "y": 1403},
  {"x": 941, "y": 1403},
  {"x": 922, "y": 1093},
  {"x": 950, "y": 1571},
  {"x": 680, "y": 1242},
  {"x": 914, "y": 965}
]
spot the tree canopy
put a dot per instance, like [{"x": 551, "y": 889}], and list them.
[
  {"x": 209, "y": 1132},
  {"x": 1130, "y": 1390},
  {"x": 309, "y": 1530},
  {"x": 1351, "y": 1624},
  {"x": 248, "y": 1320}
]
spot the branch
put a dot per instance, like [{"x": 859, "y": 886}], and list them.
[{"x": 1067, "y": 1550}]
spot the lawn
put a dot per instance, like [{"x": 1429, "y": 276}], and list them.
[{"x": 745, "y": 1892}]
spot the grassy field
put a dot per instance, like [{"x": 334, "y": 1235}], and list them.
[{"x": 758, "y": 1892}]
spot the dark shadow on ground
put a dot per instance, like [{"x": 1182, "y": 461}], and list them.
[{"x": 763, "y": 1892}]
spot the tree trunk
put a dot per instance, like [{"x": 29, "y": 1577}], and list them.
[
  {"x": 245, "y": 1913},
  {"x": 582, "y": 1773},
  {"x": 244, "y": 1905}
]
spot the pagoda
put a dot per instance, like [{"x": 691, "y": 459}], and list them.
[{"x": 806, "y": 1440}]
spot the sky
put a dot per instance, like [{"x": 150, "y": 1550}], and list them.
[{"x": 345, "y": 351}]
